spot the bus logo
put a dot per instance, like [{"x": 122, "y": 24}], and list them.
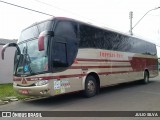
[{"x": 24, "y": 81}]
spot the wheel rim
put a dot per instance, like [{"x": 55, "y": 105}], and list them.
[
  {"x": 147, "y": 78},
  {"x": 91, "y": 86}
]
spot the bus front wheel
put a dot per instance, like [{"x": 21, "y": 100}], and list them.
[{"x": 90, "y": 86}]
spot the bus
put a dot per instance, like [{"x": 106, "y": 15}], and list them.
[{"x": 63, "y": 55}]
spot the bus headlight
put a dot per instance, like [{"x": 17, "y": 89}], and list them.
[
  {"x": 41, "y": 82},
  {"x": 14, "y": 84}
]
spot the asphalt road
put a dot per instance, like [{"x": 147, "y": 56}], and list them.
[{"x": 124, "y": 97}]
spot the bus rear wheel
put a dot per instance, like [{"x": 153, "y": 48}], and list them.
[
  {"x": 90, "y": 87},
  {"x": 146, "y": 78}
]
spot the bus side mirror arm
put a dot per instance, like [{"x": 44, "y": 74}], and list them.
[{"x": 9, "y": 45}]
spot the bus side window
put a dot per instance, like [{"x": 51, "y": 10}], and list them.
[
  {"x": 87, "y": 36},
  {"x": 65, "y": 36},
  {"x": 65, "y": 29},
  {"x": 59, "y": 56}
]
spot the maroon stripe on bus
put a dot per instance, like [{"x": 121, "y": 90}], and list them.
[
  {"x": 100, "y": 60},
  {"x": 69, "y": 76},
  {"x": 50, "y": 77},
  {"x": 84, "y": 67},
  {"x": 118, "y": 72}
]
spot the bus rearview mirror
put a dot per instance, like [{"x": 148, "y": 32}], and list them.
[
  {"x": 41, "y": 43},
  {"x": 41, "y": 39},
  {"x": 3, "y": 50},
  {"x": 9, "y": 45}
]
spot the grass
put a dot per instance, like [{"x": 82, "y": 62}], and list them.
[{"x": 6, "y": 90}]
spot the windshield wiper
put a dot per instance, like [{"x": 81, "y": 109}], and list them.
[
  {"x": 27, "y": 61},
  {"x": 23, "y": 66}
]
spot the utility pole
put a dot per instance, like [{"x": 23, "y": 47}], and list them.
[{"x": 131, "y": 17}]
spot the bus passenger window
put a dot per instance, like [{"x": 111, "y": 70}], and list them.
[{"x": 65, "y": 29}]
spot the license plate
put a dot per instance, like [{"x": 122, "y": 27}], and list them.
[{"x": 24, "y": 91}]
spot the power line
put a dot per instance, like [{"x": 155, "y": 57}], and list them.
[
  {"x": 65, "y": 10},
  {"x": 26, "y": 8},
  {"x": 61, "y": 9},
  {"x": 40, "y": 11},
  {"x": 45, "y": 3}
]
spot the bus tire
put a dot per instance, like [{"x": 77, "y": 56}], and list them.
[
  {"x": 90, "y": 87},
  {"x": 146, "y": 78}
]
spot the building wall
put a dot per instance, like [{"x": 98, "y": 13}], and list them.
[{"x": 6, "y": 65}]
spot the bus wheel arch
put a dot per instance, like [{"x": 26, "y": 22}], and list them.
[{"x": 91, "y": 84}]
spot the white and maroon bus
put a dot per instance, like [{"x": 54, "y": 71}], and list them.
[{"x": 62, "y": 55}]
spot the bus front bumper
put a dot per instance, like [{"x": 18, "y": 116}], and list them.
[{"x": 43, "y": 90}]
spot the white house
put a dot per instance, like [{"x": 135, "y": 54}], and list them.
[{"x": 6, "y": 65}]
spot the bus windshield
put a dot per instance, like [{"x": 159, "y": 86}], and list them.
[{"x": 31, "y": 61}]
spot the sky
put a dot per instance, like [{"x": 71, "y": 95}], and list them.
[{"x": 112, "y": 14}]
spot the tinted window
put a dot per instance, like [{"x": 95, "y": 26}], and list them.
[
  {"x": 66, "y": 29},
  {"x": 150, "y": 49},
  {"x": 59, "y": 52},
  {"x": 65, "y": 43},
  {"x": 92, "y": 37},
  {"x": 138, "y": 46},
  {"x": 108, "y": 40},
  {"x": 121, "y": 43}
]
